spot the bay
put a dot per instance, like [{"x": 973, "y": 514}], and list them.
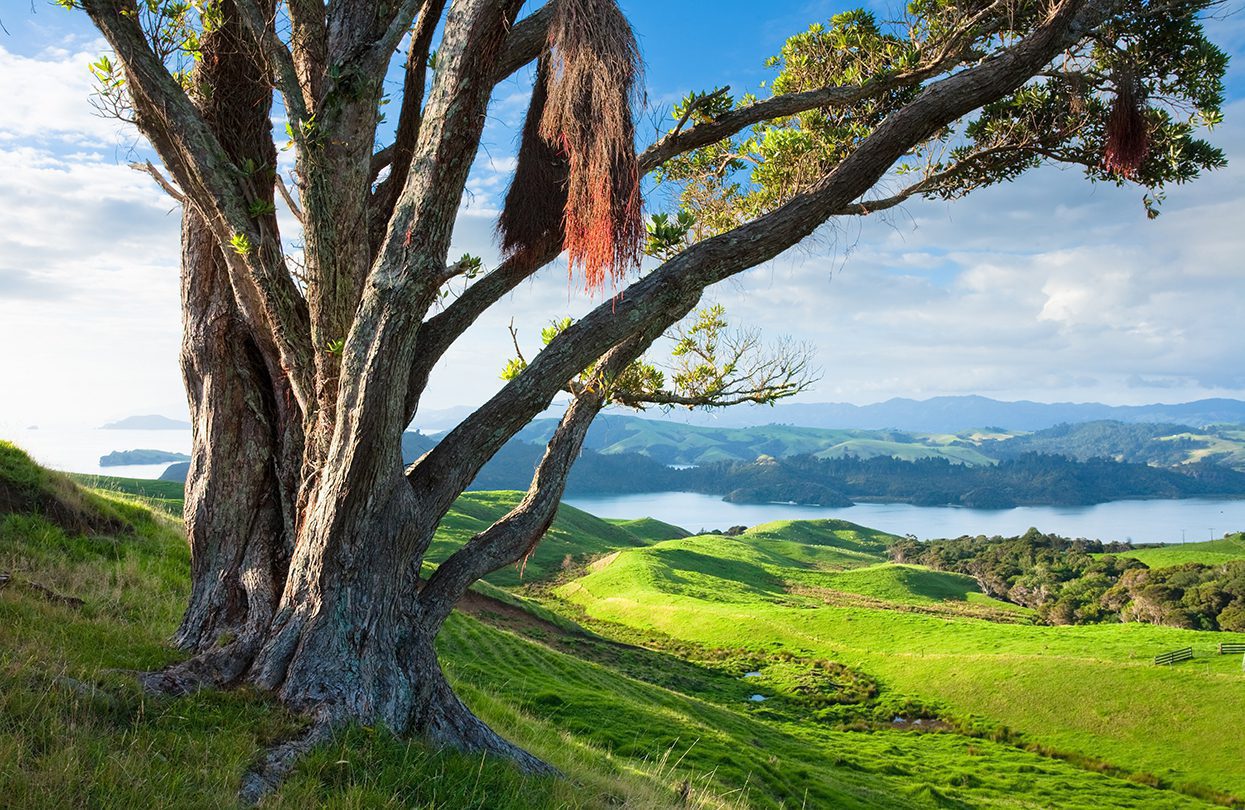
[
  {"x": 79, "y": 450},
  {"x": 1141, "y": 521}
]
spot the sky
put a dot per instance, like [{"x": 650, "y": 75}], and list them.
[{"x": 1049, "y": 288}]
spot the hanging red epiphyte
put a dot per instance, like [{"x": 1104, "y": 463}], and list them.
[
  {"x": 1128, "y": 135},
  {"x": 593, "y": 70},
  {"x": 536, "y": 200}
]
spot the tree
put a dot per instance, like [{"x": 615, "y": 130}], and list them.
[{"x": 308, "y": 535}]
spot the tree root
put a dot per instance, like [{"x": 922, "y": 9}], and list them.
[
  {"x": 219, "y": 668},
  {"x": 44, "y": 591},
  {"x": 267, "y": 775}
]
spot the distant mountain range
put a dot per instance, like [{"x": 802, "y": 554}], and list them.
[
  {"x": 937, "y": 415},
  {"x": 956, "y": 414}
]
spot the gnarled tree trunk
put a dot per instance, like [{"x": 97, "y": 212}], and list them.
[
  {"x": 242, "y": 484},
  {"x": 308, "y": 537}
]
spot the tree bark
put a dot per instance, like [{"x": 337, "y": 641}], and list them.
[
  {"x": 307, "y": 536},
  {"x": 247, "y": 435},
  {"x": 242, "y": 480}
]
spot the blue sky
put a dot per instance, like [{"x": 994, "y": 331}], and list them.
[{"x": 1048, "y": 289}]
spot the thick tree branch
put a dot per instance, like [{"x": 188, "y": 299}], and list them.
[
  {"x": 440, "y": 331},
  {"x": 527, "y": 39},
  {"x": 280, "y": 61},
  {"x": 202, "y": 168},
  {"x": 409, "y": 118},
  {"x": 668, "y": 293},
  {"x": 516, "y": 534},
  {"x": 679, "y": 141},
  {"x": 309, "y": 45}
]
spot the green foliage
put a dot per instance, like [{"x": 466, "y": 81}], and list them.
[
  {"x": 1083, "y": 581},
  {"x": 666, "y": 237},
  {"x": 1158, "y": 50},
  {"x": 702, "y": 107},
  {"x": 240, "y": 243},
  {"x": 261, "y": 208},
  {"x": 513, "y": 368}
]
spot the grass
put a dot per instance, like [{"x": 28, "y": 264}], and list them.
[
  {"x": 650, "y": 529},
  {"x": 657, "y": 725},
  {"x": 1084, "y": 691},
  {"x": 574, "y": 537},
  {"x": 1211, "y": 552}
]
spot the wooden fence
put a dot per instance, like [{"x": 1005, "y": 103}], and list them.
[
  {"x": 1231, "y": 649},
  {"x": 1172, "y": 657}
]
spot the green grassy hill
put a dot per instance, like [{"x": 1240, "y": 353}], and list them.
[
  {"x": 648, "y": 706},
  {"x": 1210, "y": 552},
  {"x": 674, "y": 443},
  {"x": 1088, "y": 691}
]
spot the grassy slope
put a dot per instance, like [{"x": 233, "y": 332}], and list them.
[
  {"x": 1210, "y": 552},
  {"x": 650, "y": 529},
  {"x": 628, "y": 725},
  {"x": 74, "y": 735},
  {"x": 1090, "y": 690},
  {"x": 574, "y": 536}
]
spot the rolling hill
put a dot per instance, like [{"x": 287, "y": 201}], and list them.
[
  {"x": 954, "y": 414},
  {"x": 1211, "y": 552},
  {"x": 790, "y": 666},
  {"x": 671, "y": 443}
]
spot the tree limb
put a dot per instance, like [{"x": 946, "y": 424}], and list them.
[
  {"x": 515, "y": 535},
  {"x": 280, "y": 61},
  {"x": 380, "y": 207},
  {"x": 148, "y": 167},
  {"x": 527, "y": 39},
  {"x": 202, "y": 168},
  {"x": 668, "y": 293}
]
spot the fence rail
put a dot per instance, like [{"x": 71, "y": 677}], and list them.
[
  {"x": 1231, "y": 649},
  {"x": 1169, "y": 658}
]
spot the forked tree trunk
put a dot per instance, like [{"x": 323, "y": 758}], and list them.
[
  {"x": 294, "y": 547},
  {"x": 241, "y": 488}
]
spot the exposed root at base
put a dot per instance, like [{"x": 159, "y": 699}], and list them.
[
  {"x": 220, "y": 668},
  {"x": 277, "y": 763}
]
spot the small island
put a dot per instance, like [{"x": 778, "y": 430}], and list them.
[{"x": 118, "y": 458}]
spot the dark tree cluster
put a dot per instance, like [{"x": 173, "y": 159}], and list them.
[
  {"x": 1085, "y": 582},
  {"x": 1031, "y": 479}
]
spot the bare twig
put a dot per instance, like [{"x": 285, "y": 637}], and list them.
[
  {"x": 149, "y": 168},
  {"x": 289, "y": 199}
]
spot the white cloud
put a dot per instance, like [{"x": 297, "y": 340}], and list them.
[
  {"x": 88, "y": 257},
  {"x": 1045, "y": 288}
]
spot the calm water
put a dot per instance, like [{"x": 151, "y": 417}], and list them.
[
  {"x": 1141, "y": 521},
  {"x": 1159, "y": 521},
  {"x": 79, "y": 450}
]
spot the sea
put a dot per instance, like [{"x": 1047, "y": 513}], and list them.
[{"x": 1138, "y": 521}]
